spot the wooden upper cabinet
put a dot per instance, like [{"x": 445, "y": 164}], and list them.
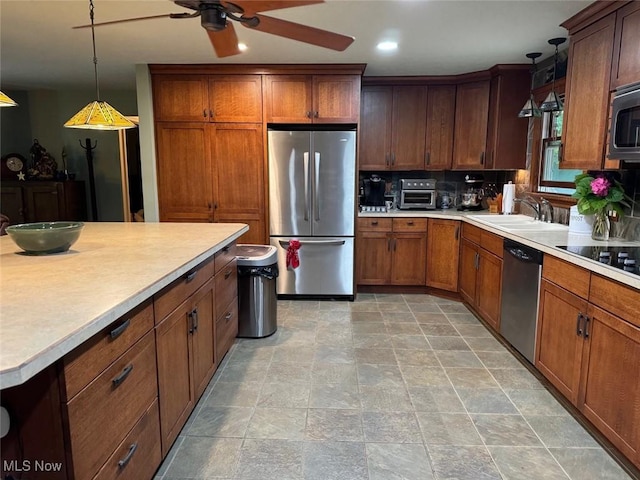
[
  {"x": 375, "y": 127},
  {"x": 506, "y": 133},
  {"x": 471, "y": 118},
  {"x": 207, "y": 98},
  {"x": 441, "y": 104},
  {"x": 587, "y": 95},
  {"x": 235, "y": 98},
  {"x": 312, "y": 98},
  {"x": 184, "y": 172},
  {"x": 392, "y": 127},
  {"x": 626, "y": 52}
]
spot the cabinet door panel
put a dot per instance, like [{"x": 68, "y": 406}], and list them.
[
  {"x": 409, "y": 259},
  {"x": 184, "y": 172},
  {"x": 336, "y": 98},
  {"x": 12, "y": 204},
  {"x": 468, "y": 270},
  {"x": 375, "y": 128},
  {"x": 409, "y": 127},
  {"x": 489, "y": 284},
  {"x": 46, "y": 201},
  {"x": 626, "y": 54},
  {"x": 587, "y": 95},
  {"x": 441, "y": 104},
  {"x": 443, "y": 253},
  {"x": 610, "y": 389},
  {"x": 472, "y": 116},
  {"x": 175, "y": 383},
  {"x": 180, "y": 98},
  {"x": 558, "y": 346},
  {"x": 202, "y": 313},
  {"x": 288, "y": 98},
  {"x": 373, "y": 258},
  {"x": 235, "y": 98}
]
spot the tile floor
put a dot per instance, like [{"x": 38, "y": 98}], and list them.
[{"x": 387, "y": 387}]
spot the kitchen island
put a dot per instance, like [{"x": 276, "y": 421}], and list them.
[{"x": 106, "y": 348}]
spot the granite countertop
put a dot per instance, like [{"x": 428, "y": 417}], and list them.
[
  {"x": 51, "y": 304},
  {"x": 545, "y": 241}
]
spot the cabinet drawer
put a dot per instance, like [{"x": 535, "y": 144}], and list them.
[
  {"x": 372, "y": 224},
  {"x": 224, "y": 256},
  {"x": 105, "y": 411},
  {"x": 410, "y": 224},
  {"x": 226, "y": 287},
  {"x": 165, "y": 301},
  {"x": 471, "y": 233},
  {"x": 568, "y": 276},
  {"x": 226, "y": 329},
  {"x": 88, "y": 360},
  {"x": 618, "y": 299},
  {"x": 491, "y": 242},
  {"x": 138, "y": 456}
]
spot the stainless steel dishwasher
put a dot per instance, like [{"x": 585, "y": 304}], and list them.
[{"x": 521, "y": 269}]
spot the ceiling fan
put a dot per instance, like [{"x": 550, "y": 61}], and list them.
[{"x": 215, "y": 16}]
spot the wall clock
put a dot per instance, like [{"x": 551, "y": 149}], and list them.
[{"x": 13, "y": 166}]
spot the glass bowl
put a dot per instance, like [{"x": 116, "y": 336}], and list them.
[{"x": 45, "y": 237}]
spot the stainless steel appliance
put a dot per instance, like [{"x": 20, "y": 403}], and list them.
[
  {"x": 471, "y": 198},
  {"x": 624, "y": 141},
  {"x": 312, "y": 192},
  {"x": 521, "y": 269},
  {"x": 417, "y": 193}
]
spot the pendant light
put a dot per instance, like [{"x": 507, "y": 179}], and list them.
[
  {"x": 98, "y": 115},
  {"x": 530, "y": 108},
  {"x": 553, "y": 103},
  {"x": 5, "y": 101}
]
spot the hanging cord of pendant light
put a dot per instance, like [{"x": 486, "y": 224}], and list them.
[
  {"x": 95, "y": 57},
  {"x": 553, "y": 103},
  {"x": 530, "y": 108}
]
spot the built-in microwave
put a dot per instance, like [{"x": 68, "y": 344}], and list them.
[{"x": 624, "y": 138}]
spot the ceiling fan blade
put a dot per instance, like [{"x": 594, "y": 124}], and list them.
[
  {"x": 225, "y": 42},
  {"x": 124, "y": 20},
  {"x": 254, "y": 6},
  {"x": 302, "y": 33}
]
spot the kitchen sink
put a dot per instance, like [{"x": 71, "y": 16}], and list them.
[{"x": 518, "y": 223}]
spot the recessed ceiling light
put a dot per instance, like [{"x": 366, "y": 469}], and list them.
[
  {"x": 242, "y": 47},
  {"x": 387, "y": 46}
]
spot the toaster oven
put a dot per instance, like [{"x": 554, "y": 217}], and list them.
[{"x": 417, "y": 193}]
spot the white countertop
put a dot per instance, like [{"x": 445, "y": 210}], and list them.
[
  {"x": 546, "y": 241},
  {"x": 51, "y": 304}
]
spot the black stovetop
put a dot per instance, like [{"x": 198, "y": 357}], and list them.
[{"x": 625, "y": 258}]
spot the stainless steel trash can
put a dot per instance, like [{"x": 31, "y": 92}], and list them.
[{"x": 257, "y": 298}]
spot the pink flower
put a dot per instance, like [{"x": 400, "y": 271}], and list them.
[{"x": 600, "y": 186}]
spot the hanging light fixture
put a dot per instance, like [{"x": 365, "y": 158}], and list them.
[
  {"x": 98, "y": 115},
  {"x": 530, "y": 108},
  {"x": 553, "y": 103},
  {"x": 5, "y": 101}
]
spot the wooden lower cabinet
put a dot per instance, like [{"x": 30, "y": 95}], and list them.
[
  {"x": 443, "y": 253},
  {"x": 468, "y": 270},
  {"x": 391, "y": 251}
]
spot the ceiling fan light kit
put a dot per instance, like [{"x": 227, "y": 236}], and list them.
[
  {"x": 98, "y": 115},
  {"x": 553, "y": 102},
  {"x": 5, "y": 101},
  {"x": 216, "y": 15}
]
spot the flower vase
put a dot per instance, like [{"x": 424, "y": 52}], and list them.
[{"x": 601, "y": 225}]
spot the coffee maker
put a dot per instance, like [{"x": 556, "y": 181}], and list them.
[
  {"x": 471, "y": 198},
  {"x": 373, "y": 189}
]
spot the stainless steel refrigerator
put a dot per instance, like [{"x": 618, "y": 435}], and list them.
[{"x": 312, "y": 180}]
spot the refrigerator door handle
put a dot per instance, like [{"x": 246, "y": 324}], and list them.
[
  {"x": 285, "y": 244},
  {"x": 306, "y": 185},
  {"x": 316, "y": 187}
]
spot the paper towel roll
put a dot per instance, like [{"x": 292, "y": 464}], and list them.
[{"x": 508, "y": 194}]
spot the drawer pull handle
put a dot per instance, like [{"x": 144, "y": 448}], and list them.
[
  {"x": 227, "y": 274},
  {"x": 191, "y": 276},
  {"x": 374, "y": 223},
  {"x": 227, "y": 317},
  {"x": 116, "y": 332},
  {"x": 410, "y": 223},
  {"x": 123, "y": 376},
  {"x": 132, "y": 449},
  {"x": 226, "y": 249}
]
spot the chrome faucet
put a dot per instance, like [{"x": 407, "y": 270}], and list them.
[
  {"x": 531, "y": 203},
  {"x": 546, "y": 210}
]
